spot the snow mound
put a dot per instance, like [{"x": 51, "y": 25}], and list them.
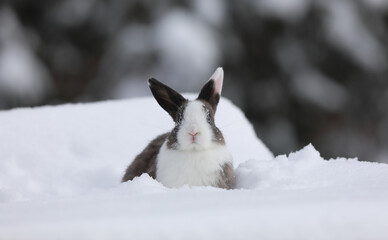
[
  {"x": 307, "y": 169},
  {"x": 72, "y": 149},
  {"x": 60, "y": 170}
]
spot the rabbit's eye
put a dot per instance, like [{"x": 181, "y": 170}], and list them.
[
  {"x": 208, "y": 117},
  {"x": 180, "y": 117}
]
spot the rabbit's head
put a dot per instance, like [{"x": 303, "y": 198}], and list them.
[{"x": 194, "y": 129}]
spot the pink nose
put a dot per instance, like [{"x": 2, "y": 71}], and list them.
[{"x": 193, "y": 134}]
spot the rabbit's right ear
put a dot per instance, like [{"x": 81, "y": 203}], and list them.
[{"x": 168, "y": 98}]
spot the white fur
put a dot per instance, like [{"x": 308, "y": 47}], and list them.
[
  {"x": 176, "y": 168},
  {"x": 194, "y": 119},
  {"x": 193, "y": 163}
]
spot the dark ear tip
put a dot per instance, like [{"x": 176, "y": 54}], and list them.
[{"x": 152, "y": 81}]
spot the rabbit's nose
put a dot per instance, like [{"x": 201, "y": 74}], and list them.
[
  {"x": 193, "y": 130},
  {"x": 193, "y": 134}
]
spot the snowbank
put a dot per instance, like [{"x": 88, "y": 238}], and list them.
[
  {"x": 60, "y": 169},
  {"x": 73, "y": 149}
]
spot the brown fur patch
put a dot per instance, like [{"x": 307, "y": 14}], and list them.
[
  {"x": 172, "y": 140},
  {"x": 218, "y": 137},
  {"x": 227, "y": 177},
  {"x": 145, "y": 162}
]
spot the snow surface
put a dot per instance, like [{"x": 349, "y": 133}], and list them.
[{"x": 60, "y": 170}]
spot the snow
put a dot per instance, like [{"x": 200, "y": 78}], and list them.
[
  {"x": 305, "y": 169},
  {"x": 61, "y": 166}
]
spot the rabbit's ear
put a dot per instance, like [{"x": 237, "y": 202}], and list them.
[
  {"x": 211, "y": 91},
  {"x": 167, "y": 97}
]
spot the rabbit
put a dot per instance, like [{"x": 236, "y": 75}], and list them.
[{"x": 194, "y": 152}]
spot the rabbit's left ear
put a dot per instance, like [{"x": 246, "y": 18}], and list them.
[
  {"x": 211, "y": 91},
  {"x": 168, "y": 98}
]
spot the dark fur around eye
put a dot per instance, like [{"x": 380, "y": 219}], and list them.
[
  {"x": 208, "y": 117},
  {"x": 180, "y": 117},
  {"x": 208, "y": 114}
]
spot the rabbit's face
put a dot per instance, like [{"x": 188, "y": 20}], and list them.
[
  {"x": 194, "y": 120},
  {"x": 195, "y": 127}
]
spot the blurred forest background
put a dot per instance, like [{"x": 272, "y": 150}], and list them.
[{"x": 302, "y": 70}]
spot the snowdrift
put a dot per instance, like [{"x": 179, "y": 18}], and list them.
[{"x": 60, "y": 171}]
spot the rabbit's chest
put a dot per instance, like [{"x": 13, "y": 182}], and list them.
[{"x": 193, "y": 168}]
